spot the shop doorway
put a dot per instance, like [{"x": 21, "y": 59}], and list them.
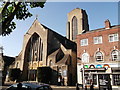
[{"x": 104, "y": 81}]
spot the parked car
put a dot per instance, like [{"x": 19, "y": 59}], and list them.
[{"x": 29, "y": 86}]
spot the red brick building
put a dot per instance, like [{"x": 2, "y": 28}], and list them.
[{"x": 98, "y": 54}]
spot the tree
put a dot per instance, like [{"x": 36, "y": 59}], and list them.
[{"x": 10, "y": 10}]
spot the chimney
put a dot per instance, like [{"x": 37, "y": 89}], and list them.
[{"x": 107, "y": 24}]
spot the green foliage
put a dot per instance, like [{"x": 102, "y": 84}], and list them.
[{"x": 10, "y": 10}]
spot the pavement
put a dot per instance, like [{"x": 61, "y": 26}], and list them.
[{"x": 54, "y": 87}]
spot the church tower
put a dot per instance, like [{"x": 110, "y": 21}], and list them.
[{"x": 77, "y": 23}]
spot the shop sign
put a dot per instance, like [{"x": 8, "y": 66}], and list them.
[{"x": 97, "y": 66}]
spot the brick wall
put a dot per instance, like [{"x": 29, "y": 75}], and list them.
[{"x": 106, "y": 47}]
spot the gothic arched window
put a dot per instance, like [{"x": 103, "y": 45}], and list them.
[
  {"x": 74, "y": 28},
  {"x": 35, "y": 51}
]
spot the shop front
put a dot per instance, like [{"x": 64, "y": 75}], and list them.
[{"x": 102, "y": 75}]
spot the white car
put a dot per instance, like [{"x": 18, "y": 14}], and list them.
[{"x": 29, "y": 86}]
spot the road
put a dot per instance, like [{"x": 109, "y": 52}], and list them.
[
  {"x": 58, "y": 87},
  {"x": 54, "y": 88}
]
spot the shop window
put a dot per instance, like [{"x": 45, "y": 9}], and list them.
[
  {"x": 87, "y": 80},
  {"x": 104, "y": 79},
  {"x": 116, "y": 79},
  {"x": 85, "y": 57},
  {"x": 99, "y": 56},
  {"x": 115, "y": 55},
  {"x": 95, "y": 79}
]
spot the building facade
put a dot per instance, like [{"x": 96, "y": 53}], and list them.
[
  {"x": 5, "y": 62},
  {"x": 98, "y": 55},
  {"x": 46, "y": 56}
]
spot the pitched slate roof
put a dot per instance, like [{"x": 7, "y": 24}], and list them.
[
  {"x": 63, "y": 60},
  {"x": 63, "y": 40},
  {"x": 102, "y": 29}
]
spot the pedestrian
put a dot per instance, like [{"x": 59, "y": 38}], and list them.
[
  {"x": 85, "y": 84},
  {"x": 109, "y": 86},
  {"x": 91, "y": 86},
  {"x": 62, "y": 81}
]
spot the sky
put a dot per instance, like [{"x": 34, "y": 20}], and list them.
[{"x": 54, "y": 16}]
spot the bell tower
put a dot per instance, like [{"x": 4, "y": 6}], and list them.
[{"x": 77, "y": 23}]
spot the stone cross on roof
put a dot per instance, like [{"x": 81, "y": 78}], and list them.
[{"x": 36, "y": 16}]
